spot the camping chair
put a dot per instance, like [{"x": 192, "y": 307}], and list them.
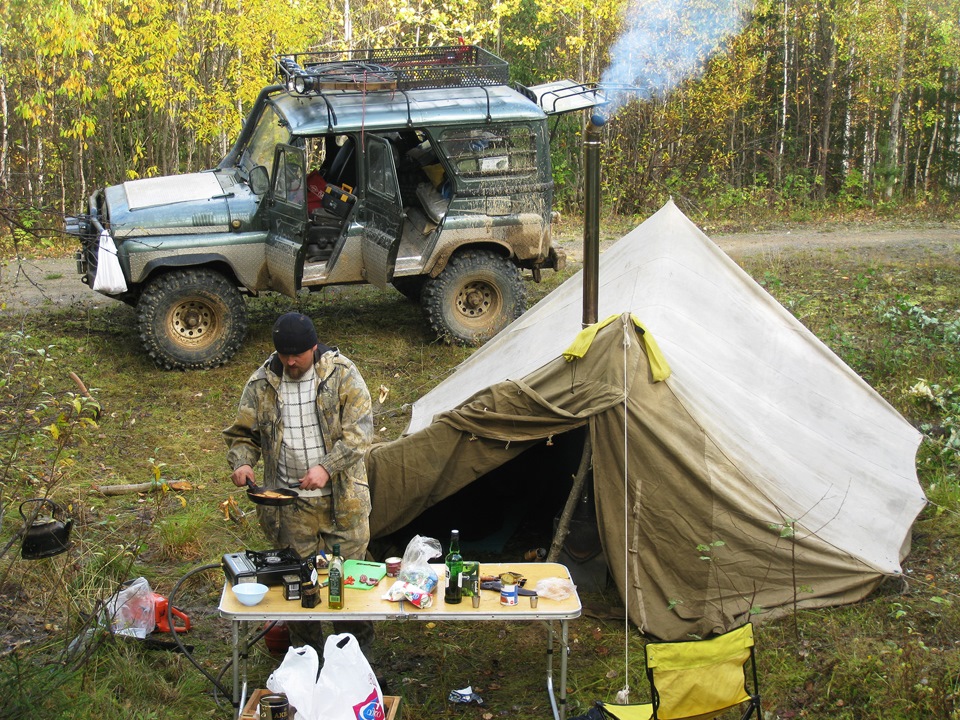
[{"x": 697, "y": 680}]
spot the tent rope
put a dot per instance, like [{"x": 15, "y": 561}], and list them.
[{"x": 623, "y": 696}]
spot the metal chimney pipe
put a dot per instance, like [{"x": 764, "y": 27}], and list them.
[{"x": 591, "y": 219}]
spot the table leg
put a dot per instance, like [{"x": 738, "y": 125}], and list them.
[
  {"x": 235, "y": 641},
  {"x": 564, "y": 652},
  {"x": 558, "y": 697}
]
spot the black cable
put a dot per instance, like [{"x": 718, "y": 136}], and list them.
[
  {"x": 217, "y": 687},
  {"x": 176, "y": 635}
]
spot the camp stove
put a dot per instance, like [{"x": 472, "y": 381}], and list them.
[{"x": 266, "y": 567}]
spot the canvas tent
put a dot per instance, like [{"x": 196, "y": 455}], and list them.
[{"x": 760, "y": 438}]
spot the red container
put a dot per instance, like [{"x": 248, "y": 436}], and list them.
[{"x": 278, "y": 638}]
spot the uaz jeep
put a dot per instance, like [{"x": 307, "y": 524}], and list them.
[{"x": 421, "y": 169}]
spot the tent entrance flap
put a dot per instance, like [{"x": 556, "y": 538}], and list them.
[{"x": 504, "y": 512}]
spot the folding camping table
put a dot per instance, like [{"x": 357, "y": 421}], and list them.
[{"x": 369, "y": 605}]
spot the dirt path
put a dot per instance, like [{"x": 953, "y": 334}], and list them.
[{"x": 35, "y": 284}]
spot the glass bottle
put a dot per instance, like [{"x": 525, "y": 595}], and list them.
[
  {"x": 335, "y": 580},
  {"x": 454, "y": 562}
]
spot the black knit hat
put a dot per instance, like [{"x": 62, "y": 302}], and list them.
[{"x": 293, "y": 333}]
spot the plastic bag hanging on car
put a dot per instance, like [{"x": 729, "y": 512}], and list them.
[{"x": 109, "y": 279}]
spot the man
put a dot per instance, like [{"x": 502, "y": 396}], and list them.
[{"x": 307, "y": 413}]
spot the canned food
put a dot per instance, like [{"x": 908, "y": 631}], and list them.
[
  {"x": 274, "y": 707},
  {"x": 509, "y": 594}
]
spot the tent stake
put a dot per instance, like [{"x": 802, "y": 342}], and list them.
[{"x": 563, "y": 526}]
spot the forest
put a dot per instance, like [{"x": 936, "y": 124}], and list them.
[{"x": 776, "y": 105}]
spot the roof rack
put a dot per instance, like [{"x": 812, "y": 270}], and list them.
[{"x": 391, "y": 69}]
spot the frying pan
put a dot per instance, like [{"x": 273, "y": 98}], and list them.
[{"x": 255, "y": 493}]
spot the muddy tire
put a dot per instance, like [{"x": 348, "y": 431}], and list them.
[
  {"x": 191, "y": 320},
  {"x": 477, "y": 295},
  {"x": 410, "y": 286}
]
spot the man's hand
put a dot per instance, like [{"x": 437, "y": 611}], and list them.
[
  {"x": 241, "y": 475},
  {"x": 316, "y": 478}
]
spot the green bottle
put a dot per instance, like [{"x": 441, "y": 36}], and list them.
[
  {"x": 335, "y": 581},
  {"x": 454, "y": 562}
]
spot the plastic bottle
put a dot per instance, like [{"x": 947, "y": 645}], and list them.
[
  {"x": 453, "y": 593},
  {"x": 335, "y": 582}
]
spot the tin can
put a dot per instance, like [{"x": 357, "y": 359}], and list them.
[
  {"x": 291, "y": 587},
  {"x": 274, "y": 707},
  {"x": 509, "y": 595}
]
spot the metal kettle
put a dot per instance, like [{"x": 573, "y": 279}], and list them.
[{"x": 45, "y": 536}]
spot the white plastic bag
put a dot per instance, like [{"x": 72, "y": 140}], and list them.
[
  {"x": 109, "y": 279},
  {"x": 347, "y": 688},
  {"x": 297, "y": 678},
  {"x": 555, "y": 588},
  {"x": 131, "y": 610}
]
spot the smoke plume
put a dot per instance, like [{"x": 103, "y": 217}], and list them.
[{"x": 665, "y": 42}]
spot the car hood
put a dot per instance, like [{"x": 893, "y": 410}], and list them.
[{"x": 167, "y": 205}]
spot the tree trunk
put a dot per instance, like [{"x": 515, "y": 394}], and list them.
[
  {"x": 828, "y": 56},
  {"x": 893, "y": 148},
  {"x": 4, "y": 130},
  {"x": 785, "y": 92}
]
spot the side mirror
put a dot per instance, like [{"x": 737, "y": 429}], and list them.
[{"x": 259, "y": 180}]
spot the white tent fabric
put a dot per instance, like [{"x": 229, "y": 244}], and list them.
[{"x": 814, "y": 439}]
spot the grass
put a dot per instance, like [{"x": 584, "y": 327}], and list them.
[{"x": 894, "y": 655}]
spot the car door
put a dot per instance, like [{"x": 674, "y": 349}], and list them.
[
  {"x": 380, "y": 213},
  {"x": 287, "y": 219}
]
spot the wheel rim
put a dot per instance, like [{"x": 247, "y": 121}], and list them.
[
  {"x": 477, "y": 300},
  {"x": 194, "y": 322}
]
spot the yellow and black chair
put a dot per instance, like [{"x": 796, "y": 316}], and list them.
[{"x": 697, "y": 680}]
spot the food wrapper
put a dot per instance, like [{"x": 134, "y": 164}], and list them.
[
  {"x": 402, "y": 590},
  {"x": 465, "y": 695}
]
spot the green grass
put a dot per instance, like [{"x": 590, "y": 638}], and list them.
[{"x": 894, "y": 655}]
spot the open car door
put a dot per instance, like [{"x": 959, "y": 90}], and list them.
[
  {"x": 380, "y": 213},
  {"x": 287, "y": 219}
]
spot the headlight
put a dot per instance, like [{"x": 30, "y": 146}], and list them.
[{"x": 304, "y": 83}]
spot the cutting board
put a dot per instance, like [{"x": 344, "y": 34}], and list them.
[{"x": 353, "y": 569}]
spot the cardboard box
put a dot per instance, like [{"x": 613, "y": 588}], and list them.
[{"x": 251, "y": 711}]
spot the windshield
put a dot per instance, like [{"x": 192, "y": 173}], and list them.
[{"x": 266, "y": 136}]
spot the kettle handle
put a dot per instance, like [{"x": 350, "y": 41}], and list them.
[{"x": 45, "y": 501}]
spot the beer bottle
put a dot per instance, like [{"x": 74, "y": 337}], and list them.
[
  {"x": 335, "y": 580},
  {"x": 454, "y": 562}
]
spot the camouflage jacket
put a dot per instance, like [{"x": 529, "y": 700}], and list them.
[{"x": 346, "y": 420}]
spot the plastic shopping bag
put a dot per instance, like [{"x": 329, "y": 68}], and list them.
[
  {"x": 415, "y": 568},
  {"x": 131, "y": 610},
  {"x": 109, "y": 279},
  {"x": 296, "y": 678},
  {"x": 347, "y": 688}
]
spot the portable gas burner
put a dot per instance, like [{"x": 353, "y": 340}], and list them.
[{"x": 263, "y": 566}]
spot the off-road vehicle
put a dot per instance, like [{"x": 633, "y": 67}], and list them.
[{"x": 424, "y": 170}]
